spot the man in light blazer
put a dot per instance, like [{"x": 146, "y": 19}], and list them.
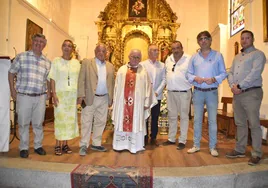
[{"x": 95, "y": 94}]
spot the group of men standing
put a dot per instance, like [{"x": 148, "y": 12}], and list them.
[
  {"x": 205, "y": 70},
  {"x": 137, "y": 91}
]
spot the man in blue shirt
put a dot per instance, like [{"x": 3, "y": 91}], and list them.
[
  {"x": 245, "y": 81},
  {"x": 206, "y": 71}
]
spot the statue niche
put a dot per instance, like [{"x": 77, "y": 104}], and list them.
[{"x": 136, "y": 25}]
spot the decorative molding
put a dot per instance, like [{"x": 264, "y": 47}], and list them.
[
  {"x": 245, "y": 2},
  {"x": 218, "y": 28},
  {"x": 265, "y": 20},
  {"x": 36, "y": 12}
]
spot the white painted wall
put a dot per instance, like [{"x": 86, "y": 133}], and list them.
[
  {"x": 254, "y": 22},
  {"x": 14, "y": 17}
]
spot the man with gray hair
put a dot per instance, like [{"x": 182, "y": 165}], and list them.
[
  {"x": 95, "y": 93},
  {"x": 133, "y": 98},
  {"x": 31, "y": 68},
  {"x": 156, "y": 71}
]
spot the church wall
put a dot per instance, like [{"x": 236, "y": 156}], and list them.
[
  {"x": 4, "y": 27},
  {"x": 193, "y": 16},
  {"x": 15, "y": 17},
  {"x": 57, "y": 10},
  {"x": 254, "y": 22}
]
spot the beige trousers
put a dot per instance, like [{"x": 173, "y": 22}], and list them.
[
  {"x": 178, "y": 103},
  {"x": 94, "y": 116}
]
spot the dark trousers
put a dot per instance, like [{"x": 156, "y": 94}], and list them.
[{"x": 155, "y": 111}]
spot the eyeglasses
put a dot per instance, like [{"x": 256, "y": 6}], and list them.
[
  {"x": 204, "y": 38},
  {"x": 173, "y": 68},
  {"x": 136, "y": 57}
]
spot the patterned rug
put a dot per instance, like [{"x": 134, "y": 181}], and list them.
[{"x": 109, "y": 177}]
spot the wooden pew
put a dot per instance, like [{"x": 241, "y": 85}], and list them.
[
  {"x": 225, "y": 119},
  {"x": 264, "y": 122}
]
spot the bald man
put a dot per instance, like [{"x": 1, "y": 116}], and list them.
[
  {"x": 95, "y": 93},
  {"x": 133, "y": 98}
]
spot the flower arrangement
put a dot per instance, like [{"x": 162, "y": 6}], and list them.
[{"x": 163, "y": 106}]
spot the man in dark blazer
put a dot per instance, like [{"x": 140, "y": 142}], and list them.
[{"x": 95, "y": 93}]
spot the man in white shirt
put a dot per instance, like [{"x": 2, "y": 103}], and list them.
[
  {"x": 156, "y": 71},
  {"x": 179, "y": 94}
]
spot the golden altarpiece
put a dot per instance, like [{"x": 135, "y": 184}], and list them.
[{"x": 129, "y": 24}]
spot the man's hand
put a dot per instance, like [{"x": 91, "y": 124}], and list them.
[
  {"x": 235, "y": 90},
  {"x": 156, "y": 94},
  {"x": 199, "y": 80},
  {"x": 209, "y": 81},
  {"x": 79, "y": 100},
  {"x": 146, "y": 107}
]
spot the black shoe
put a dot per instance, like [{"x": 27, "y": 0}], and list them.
[
  {"x": 154, "y": 142},
  {"x": 181, "y": 146},
  {"x": 166, "y": 143},
  {"x": 234, "y": 154},
  {"x": 98, "y": 148},
  {"x": 24, "y": 153},
  {"x": 40, "y": 151},
  {"x": 146, "y": 141}
]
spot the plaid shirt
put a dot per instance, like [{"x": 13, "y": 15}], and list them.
[{"x": 31, "y": 72}]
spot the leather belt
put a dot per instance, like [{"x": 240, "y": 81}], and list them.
[
  {"x": 33, "y": 94},
  {"x": 178, "y": 91},
  {"x": 100, "y": 95},
  {"x": 205, "y": 89},
  {"x": 251, "y": 88}
]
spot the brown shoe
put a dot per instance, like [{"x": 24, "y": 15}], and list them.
[
  {"x": 166, "y": 143},
  {"x": 154, "y": 142},
  {"x": 254, "y": 161}
]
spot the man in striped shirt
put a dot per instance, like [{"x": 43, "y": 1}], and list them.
[{"x": 31, "y": 69}]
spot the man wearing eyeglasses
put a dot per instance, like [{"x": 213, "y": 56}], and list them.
[
  {"x": 179, "y": 94},
  {"x": 157, "y": 74},
  {"x": 30, "y": 93},
  {"x": 206, "y": 71},
  {"x": 133, "y": 98}
]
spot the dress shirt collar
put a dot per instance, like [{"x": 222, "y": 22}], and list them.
[
  {"x": 31, "y": 53},
  {"x": 154, "y": 63},
  {"x": 248, "y": 50},
  {"x": 179, "y": 61},
  {"x": 99, "y": 62}
]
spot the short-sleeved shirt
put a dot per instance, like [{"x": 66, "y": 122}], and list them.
[{"x": 32, "y": 72}]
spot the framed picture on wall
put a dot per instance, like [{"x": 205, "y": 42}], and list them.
[
  {"x": 265, "y": 20},
  {"x": 237, "y": 17},
  {"x": 31, "y": 29},
  {"x": 137, "y": 9}
]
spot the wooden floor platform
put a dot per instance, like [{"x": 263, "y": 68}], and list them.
[{"x": 162, "y": 156}]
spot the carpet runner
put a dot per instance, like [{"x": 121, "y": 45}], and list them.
[{"x": 120, "y": 177}]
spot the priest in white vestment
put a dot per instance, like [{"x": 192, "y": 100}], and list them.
[{"x": 133, "y": 99}]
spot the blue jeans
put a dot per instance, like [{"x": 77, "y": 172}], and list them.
[{"x": 210, "y": 99}]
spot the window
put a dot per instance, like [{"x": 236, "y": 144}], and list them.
[{"x": 237, "y": 18}]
